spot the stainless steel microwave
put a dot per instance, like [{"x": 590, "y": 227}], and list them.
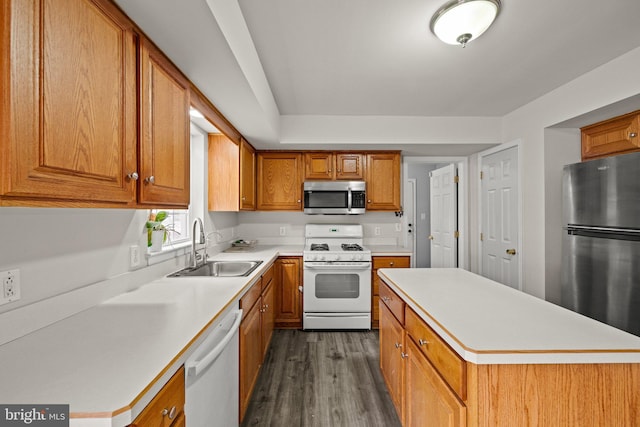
[{"x": 334, "y": 197}]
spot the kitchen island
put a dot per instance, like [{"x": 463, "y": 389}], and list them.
[{"x": 459, "y": 349}]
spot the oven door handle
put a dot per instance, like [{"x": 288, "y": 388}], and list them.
[
  {"x": 349, "y": 200},
  {"x": 364, "y": 266}
]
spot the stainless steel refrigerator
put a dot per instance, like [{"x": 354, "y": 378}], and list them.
[{"x": 601, "y": 242}]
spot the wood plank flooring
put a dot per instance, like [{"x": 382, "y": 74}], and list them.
[{"x": 323, "y": 378}]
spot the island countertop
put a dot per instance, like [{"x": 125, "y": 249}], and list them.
[{"x": 486, "y": 322}]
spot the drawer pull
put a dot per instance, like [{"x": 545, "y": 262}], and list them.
[
  {"x": 171, "y": 413},
  {"x": 632, "y": 134},
  {"x": 391, "y": 264}
]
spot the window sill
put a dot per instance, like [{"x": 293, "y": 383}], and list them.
[{"x": 168, "y": 252}]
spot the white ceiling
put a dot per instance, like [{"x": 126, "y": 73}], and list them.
[{"x": 262, "y": 60}]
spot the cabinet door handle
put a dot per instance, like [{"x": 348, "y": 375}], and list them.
[
  {"x": 423, "y": 342},
  {"x": 511, "y": 251},
  {"x": 133, "y": 176},
  {"x": 632, "y": 134},
  {"x": 398, "y": 345},
  {"x": 150, "y": 180},
  {"x": 404, "y": 355},
  {"x": 171, "y": 413},
  {"x": 300, "y": 288}
]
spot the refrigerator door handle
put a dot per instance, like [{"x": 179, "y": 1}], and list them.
[{"x": 603, "y": 232}]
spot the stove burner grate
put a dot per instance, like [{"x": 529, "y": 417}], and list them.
[
  {"x": 319, "y": 247},
  {"x": 351, "y": 247}
]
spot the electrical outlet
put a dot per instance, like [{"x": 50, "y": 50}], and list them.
[
  {"x": 283, "y": 231},
  {"x": 10, "y": 281},
  {"x": 134, "y": 256},
  {"x": 376, "y": 231}
]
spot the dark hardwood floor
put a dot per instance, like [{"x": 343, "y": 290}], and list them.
[{"x": 321, "y": 379}]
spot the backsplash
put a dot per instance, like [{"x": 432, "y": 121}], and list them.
[{"x": 380, "y": 228}]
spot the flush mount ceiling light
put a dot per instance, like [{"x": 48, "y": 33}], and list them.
[{"x": 460, "y": 21}]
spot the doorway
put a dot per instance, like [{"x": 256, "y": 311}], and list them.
[{"x": 418, "y": 210}]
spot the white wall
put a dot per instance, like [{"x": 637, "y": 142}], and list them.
[
  {"x": 606, "y": 85},
  {"x": 561, "y": 147}
]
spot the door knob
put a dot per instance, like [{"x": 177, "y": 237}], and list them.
[
  {"x": 430, "y": 237},
  {"x": 511, "y": 251}
]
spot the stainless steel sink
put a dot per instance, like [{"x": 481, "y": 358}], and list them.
[{"x": 219, "y": 269}]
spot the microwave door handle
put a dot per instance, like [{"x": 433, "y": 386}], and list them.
[{"x": 349, "y": 199}]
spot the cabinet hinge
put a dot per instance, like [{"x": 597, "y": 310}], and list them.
[
  {"x": 456, "y": 179},
  {"x": 481, "y": 237},
  {"x": 481, "y": 175},
  {"x": 456, "y": 234}
]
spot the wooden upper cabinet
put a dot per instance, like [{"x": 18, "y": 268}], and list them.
[
  {"x": 319, "y": 166},
  {"x": 164, "y": 134},
  {"x": 383, "y": 181},
  {"x": 68, "y": 117},
  {"x": 350, "y": 166},
  {"x": 610, "y": 137},
  {"x": 280, "y": 180},
  {"x": 231, "y": 174},
  {"x": 324, "y": 165},
  {"x": 247, "y": 176},
  {"x": 224, "y": 174}
]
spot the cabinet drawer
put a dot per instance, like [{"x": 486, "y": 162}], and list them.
[
  {"x": 446, "y": 361},
  {"x": 390, "y": 262},
  {"x": 393, "y": 301},
  {"x": 267, "y": 277},
  {"x": 250, "y": 298},
  {"x": 168, "y": 402}
]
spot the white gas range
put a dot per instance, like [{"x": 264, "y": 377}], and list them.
[{"x": 337, "y": 278}]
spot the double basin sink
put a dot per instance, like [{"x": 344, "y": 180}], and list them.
[{"x": 219, "y": 269}]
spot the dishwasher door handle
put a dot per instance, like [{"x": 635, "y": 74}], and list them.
[{"x": 195, "y": 367}]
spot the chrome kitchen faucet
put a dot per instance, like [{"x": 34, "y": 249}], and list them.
[{"x": 195, "y": 256}]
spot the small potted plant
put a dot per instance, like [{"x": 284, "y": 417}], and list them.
[{"x": 156, "y": 230}]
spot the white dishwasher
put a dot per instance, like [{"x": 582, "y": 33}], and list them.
[{"x": 212, "y": 383}]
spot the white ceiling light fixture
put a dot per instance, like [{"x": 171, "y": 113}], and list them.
[{"x": 460, "y": 21}]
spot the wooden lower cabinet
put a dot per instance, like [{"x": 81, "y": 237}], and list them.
[
  {"x": 382, "y": 262},
  {"x": 250, "y": 355},
  {"x": 256, "y": 331},
  {"x": 428, "y": 399},
  {"x": 288, "y": 298},
  {"x": 166, "y": 409},
  {"x": 267, "y": 317},
  {"x": 391, "y": 356}
]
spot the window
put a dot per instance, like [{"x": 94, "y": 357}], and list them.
[{"x": 177, "y": 225}]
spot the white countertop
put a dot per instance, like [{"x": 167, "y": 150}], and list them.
[
  {"x": 389, "y": 250},
  {"x": 486, "y": 322},
  {"x": 108, "y": 361}
]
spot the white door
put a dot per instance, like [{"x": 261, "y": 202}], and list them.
[
  {"x": 500, "y": 226},
  {"x": 444, "y": 217}
]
